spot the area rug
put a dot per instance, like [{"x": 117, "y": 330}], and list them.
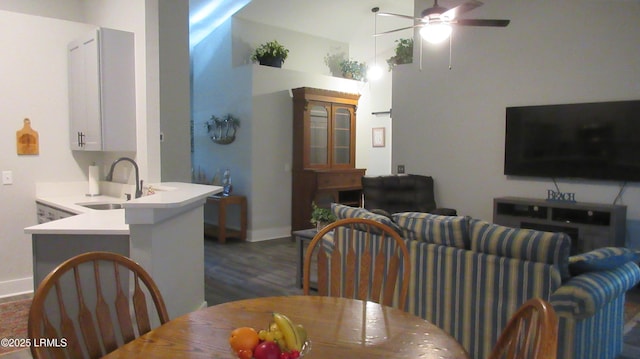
[{"x": 13, "y": 322}]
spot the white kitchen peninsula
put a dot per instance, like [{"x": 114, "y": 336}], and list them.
[{"x": 163, "y": 232}]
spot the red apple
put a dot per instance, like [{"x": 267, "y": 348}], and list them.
[{"x": 267, "y": 350}]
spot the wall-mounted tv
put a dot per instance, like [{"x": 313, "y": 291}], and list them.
[{"x": 598, "y": 141}]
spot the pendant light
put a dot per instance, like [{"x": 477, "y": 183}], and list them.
[{"x": 374, "y": 72}]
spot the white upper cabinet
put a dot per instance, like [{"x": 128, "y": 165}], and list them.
[{"x": 102, "y": 91}]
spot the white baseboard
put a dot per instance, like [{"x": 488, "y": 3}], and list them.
[
  {"x": 262, "y": 234},
  {"x": 269, "y": 233},
  {"x": 15, "y": 287}
]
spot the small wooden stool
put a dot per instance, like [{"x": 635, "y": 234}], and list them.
[{"x": 221, "y": 231}]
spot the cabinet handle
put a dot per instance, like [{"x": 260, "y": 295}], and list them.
[{"x": 81, "y": 139}]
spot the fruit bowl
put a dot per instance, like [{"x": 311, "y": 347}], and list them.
[
  {"x": 306, "y": 348},
  {"x": 281, "y": 339}
]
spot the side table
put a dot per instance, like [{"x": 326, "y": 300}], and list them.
[
  {"x": 303, "y": 238},
  {"x": 221, "y": 231}
]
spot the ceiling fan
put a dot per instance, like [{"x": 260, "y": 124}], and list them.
[{"x": 435, "y": 22}]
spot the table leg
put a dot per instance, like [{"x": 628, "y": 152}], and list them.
[
  {"x": 222, "y": 223},
  {"x": 243, "y": 219},
  {"x": 299, "y": 262}
]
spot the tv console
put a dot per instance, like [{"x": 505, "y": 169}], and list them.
[{"x": 590, "y": 225}]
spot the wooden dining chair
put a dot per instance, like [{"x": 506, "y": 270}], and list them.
[
  {"x": 531, "y": 333},
  {"x": 90, "y": 305},
  {"x": 359, "y": 258}
]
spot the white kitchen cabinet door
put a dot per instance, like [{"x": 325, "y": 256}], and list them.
[{"x": 102, "y": 91}]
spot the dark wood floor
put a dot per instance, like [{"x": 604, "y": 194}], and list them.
[{"x": 241, "y": 270}]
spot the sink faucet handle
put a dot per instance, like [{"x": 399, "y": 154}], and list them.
[
  {"x": 128, "y": 196},
  {"x": 139, "y": 190}
]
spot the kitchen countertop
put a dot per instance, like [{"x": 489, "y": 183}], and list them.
[{"x": 90, "y": 221}]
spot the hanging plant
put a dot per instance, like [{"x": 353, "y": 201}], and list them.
[{"x": 404, "y": 53}]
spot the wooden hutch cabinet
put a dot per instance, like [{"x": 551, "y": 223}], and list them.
[{"x": 324, "y": 152}]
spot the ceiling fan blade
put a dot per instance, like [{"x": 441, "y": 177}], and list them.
[
  {"x": 461, "y": 9},
  {"x": 482, "y": 22},
  {"x": 396, "y": 30},
  {"x": 398, "y": 15}
]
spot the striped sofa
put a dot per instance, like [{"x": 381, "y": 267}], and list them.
[{"x": 469, "y": 276}]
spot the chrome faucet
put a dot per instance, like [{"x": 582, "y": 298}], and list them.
[{"x": 135, "y": 166}]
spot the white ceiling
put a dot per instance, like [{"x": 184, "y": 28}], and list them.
[{"x": 339, "y": 20}]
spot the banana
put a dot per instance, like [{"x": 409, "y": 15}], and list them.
[{"x": 289, "y": 331}]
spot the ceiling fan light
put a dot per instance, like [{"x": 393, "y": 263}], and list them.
[{"x": 436, "y": 33}]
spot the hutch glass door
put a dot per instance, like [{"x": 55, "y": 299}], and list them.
[
  {"x": 342, "y": 136},
  {"x": 319, "y": 138}
]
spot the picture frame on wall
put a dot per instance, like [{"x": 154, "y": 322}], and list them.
[{"x": 378, "y": 137}]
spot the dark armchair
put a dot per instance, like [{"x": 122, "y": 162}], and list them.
[{"x": 401, "y": 193}]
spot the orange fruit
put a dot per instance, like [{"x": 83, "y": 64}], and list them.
[
  {"x": 243, "y": 338},
  {"x": 245, "y": 354}
]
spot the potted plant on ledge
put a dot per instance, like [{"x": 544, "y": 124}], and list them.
[
  {"x": 352, "y": 69},
  {"x": 321, "y": 217},
  {"x": 270, "y": 53},
  {"x": 404, "y": 53}
]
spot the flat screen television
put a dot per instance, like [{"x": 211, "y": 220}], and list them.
[{"x": 599, "y": 141}]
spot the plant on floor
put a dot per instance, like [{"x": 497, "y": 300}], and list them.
[{"x": 320, "y": 217}]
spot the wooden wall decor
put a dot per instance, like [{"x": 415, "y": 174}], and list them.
[{"x": 27, "y": 141}]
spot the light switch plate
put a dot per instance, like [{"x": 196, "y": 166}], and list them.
[{"x": 7, "y": 177}]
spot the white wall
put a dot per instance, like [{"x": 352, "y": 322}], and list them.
[
  {"x": 59, "y": 9},
  {"x": 175, "y": 91},
  {"x": 34, "y": 85},
  {"x": 306, "y": 53},
  {"x": 260, "y": 157},
  {"x": 141, "y": 18},
  {"x": 272, "y": 139},
  {"x": 450, "y": 123}
]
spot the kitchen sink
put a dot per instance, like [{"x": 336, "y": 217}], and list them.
[{"x": 101, "y": 206}]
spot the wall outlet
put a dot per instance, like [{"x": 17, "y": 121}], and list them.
[
  {"x": 7, "y": 177},
  {"x": 400, "y": 169}
]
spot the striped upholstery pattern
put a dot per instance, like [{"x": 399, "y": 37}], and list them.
[
  {"x": 470, "y": 295},
  {"x": 341, "y": 212},
  {"x": 448, "y": 230},
  {"x": 527, "y": 244},
  {"x": 582, "y": 296},
  {"x": 596, "y": 337},
  {"x": 601, "y": 259}
]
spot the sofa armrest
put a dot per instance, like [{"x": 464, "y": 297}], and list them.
[
  {"x": 583, "y": 295},
  {"x": 444, "y": 211}
]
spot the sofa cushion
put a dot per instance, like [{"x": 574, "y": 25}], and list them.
[
  {"x": 446, "y": 230},
  {"x": 341, "y": 212},
  {"x": 601, "y": 259},
  {"x": 528, "y": 244}
]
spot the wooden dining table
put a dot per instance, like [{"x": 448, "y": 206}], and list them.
[{"x": 336, "y": 327}]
